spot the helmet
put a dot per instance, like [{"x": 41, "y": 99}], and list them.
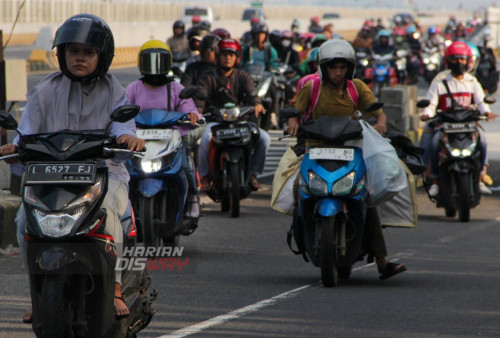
[
  {"x": 474, "y": 61},
  {"x": 383, "y": 33},
  {"x": 312, "y": 56},
  {"x": 432, "y": 30},
  {"x": 411, "y": 29},
  {"x": 195, "y": 19},
  {"x": 253, "y": 20},
  {"x": 318, "y": 40},
  {"x": 206, "y": 24},
  {"x": 315, "y": 19},
  {"x": 228, "y": 45},
  {"x": 155, "y": 58},
  {"x": 89, "y": 30},
  {"x": 209, "y": 42},
  {"x": 366, "y": 28},
  {"x": 259, "y": 27},
  {"x": 222, "y": 33},
  {"x": 296, "y": 23},
  {"x": 179, "y": 24},
  {"x": 458, "y": 49},
  {"x": 286, "y": 34},
  {"x": 337, "y": 49}
]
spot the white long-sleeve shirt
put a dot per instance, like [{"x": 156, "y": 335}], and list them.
[{"x": 466, "y": 92}]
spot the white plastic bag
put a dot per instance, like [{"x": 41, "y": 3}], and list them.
[
  {"x": 384, "y": 174},
  {"x": 282, "y": 195}
]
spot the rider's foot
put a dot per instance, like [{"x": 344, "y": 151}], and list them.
[
  {"x": 193, "y": 209},
  {"x": 28, "y": 317},
  {"x": 434, "y": 190},
  {"x": 254, "y": 184},
  {"x": 121, "y": 309},
  {"x": 204, "y": 184},
  {"x": 484, "y": 189}
]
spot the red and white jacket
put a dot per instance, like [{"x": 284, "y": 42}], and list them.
[{"x": 467, "y": 92}]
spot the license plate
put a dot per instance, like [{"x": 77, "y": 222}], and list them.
[
  {"x": 459, "y": 127},
  {"x": 154, "y": 134},
  {"x": 231, "y": 133},
  {"x": 60, "y": 173},
  {"x": 341, "y": 154}
]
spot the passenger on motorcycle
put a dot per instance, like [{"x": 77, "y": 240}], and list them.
[
  {"x": 178, "y": 42},
  {"x": 226, "y": 84},
  {"x": 82, "y": 96},
  {"x": 363, "y": 39},
  {"x": 337, "y": 61},
  {"x": 156, "y": 90},
  {"x": 207, "y": 62},
  {"x": 466, "y": 90}
]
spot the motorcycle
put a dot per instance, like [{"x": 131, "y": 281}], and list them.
[
  {"x": 285, "y": 82},
  {"x": 263, "y": 80},
  {"x": 71, "y": 261},
  {"x": 330, "y": 216},
  {"x": 459, "y": 160},
  {"x": 401, "y": 61},
  {"x": 158, "y": 185},
  {"x": 431, "y": 59},
  {"x": 362, "y": 61},
  {"x": 487, "y": 76},
  {"x": 381, "y": 74},
  {"x": 230, "y": 156}
]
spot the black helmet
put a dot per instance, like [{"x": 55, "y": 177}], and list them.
[
  {"x": 209, "y": 42},
  {"x": 179, "y": 24},
  {"x": 259, "y": 27},
  {"x": 90, "y": 30}
]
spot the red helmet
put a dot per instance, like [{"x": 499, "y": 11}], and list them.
[
  {"x": 458, "y": 49},
  {"x": 195, "y": 19},
  {"x": 254, "y": 19},
  {"x": 286, "y": 34},
  {"x": 222, "y": 33},
  {"x": 315, "y": 19},
  {"x": 229, "y": 45}
]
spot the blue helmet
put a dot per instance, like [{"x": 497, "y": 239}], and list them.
[
  {"x": 383, "y": 32},
  {"x": 411, "y": 29},
  {"x": 432, "y": 30},
  {"x": 474, "y": 61}
]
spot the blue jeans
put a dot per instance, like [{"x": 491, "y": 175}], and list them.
[{"x": 259, "y": 155}]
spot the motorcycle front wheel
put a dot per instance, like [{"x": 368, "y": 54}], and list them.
[
  {"x": 464, "y": 200},
  {"x": 234, "y": 189},
  {"x": 328, "y": 251},
  {"x": 57, "y": 314},
  {"x": 150, "y": 233}
]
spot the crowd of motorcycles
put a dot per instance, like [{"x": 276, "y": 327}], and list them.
[{"x": 71, "y": 280}]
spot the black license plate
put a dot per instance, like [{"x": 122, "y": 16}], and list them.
[
  {"x": 60, "y": 173},
  {"x": 223, "y": 134}
]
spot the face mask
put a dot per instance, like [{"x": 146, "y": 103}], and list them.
[
  {"x": 286, "y": 43},
  {"x": 457, "y": 68}
]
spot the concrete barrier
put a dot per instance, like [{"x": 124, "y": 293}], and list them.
[
  {"x": 400, "y": 108},
  {"x": 9, "y": 204}
]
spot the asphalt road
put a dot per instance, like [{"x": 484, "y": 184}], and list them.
[{"x": 242, "y": 280}]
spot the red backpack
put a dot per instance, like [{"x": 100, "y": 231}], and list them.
[{"x": 315, "y": 80}]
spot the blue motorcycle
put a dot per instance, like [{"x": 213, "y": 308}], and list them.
[
  {"x": 158, "y": 185},
  {"x": 330, "y": 216}
]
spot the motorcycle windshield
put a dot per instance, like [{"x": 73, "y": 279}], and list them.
[
  {"x": 150, "y": 118},
  {"x": 254, "y": 69}
]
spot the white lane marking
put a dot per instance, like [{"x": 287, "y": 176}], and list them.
[
  {"x": 196, "y": 328},
  {"x": 189, "y": 330}
]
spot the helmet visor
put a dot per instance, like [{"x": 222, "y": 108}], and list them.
[
  {"x": 82, "y": 31},
  {"x": 155, "y": 62}
]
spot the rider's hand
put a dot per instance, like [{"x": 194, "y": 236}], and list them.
[
  {"x": 381, "y": 128},
  {"x": 133, "y": 143},
  {"x": 424, "y": 117},
  {"x": 490, "y": 116},
  {"x": 9, "y": 149},
  {"x": 193, "y": 117},
  {"x": 259, "y": 109},
  {"x": 293, "y": 126}
]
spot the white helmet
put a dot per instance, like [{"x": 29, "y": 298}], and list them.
[{"x": 337, "y": 49}]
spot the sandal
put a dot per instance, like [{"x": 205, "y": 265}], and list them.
[
  {"x": 117, "y": 316},
  {"x": 28, "y": 317},
  {"x": 391, "y": 269}
]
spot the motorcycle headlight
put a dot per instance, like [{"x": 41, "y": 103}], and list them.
[
  {"x": 435, "y": 59},
  {"x": 466, "y": 152},
  {"x": 151, "y": 166},
  {"x": 57, "y": 224},
  {"x": 426, "y": 60},
  {"x": 90, "y": 196},
  {"x": 303, "y": 185},
  {"x": 31, "y": 198},
  {"x": 344, "y": 185},
  {"x": 364, "y": 62},
  {"x": 360, "y": 185},
  {"x": 230, "y": 114},
  {"x": 317, "y": 185},
  {"x": 264, "y": 87}
]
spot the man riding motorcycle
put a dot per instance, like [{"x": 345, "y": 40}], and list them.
[
  {"x": 220, "y": 86},
  {"x": 179, "y": 42},
  {"x": 207, "y": 62},
  {"x": 466, "y": 90}
]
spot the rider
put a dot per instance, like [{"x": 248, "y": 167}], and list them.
[
  {"x": 337, "y": 61},
  {"x": 286, "y": 53},
  {"x": 79, "y": 97},
  {"x": 383, "y": 46},
  {"x": 229, "y": 84},
  {"x": 314, "y": 26},
  {"x": 434, "y": 39},
  {"x": 207, "y": 62},
  {"x": 363, "y": 39},
  {"x": 156, "y": 90},
  {"x": 178, "y": 42},
  {"x": 466, "y": 90},
  {"x": 310, "y": 64}
]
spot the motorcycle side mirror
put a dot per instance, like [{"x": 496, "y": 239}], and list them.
[
  {"x": 423, "y": 103},
  {"x": 374, "y": 106},
  {"x": 289, "y": 112},
  {"x": 7, "y": 121},
  {"x": 188, "y": 92},
  {"x": 489, "y": 99},
  {"x": 125, "y": 113}
]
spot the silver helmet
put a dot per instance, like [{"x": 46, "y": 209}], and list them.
[{"x": 337, "y": 49}]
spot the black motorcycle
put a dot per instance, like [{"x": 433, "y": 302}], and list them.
[
  {"x": 230, "y": 156},
  {"x": 459, "y": 160},
  {"x": 265, "y": 84},
  {"x": 486, "y": 73},
  {"x": 71, "y": 261}
]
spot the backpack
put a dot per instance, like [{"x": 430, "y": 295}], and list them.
[{"x": 315, "y": 80}]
